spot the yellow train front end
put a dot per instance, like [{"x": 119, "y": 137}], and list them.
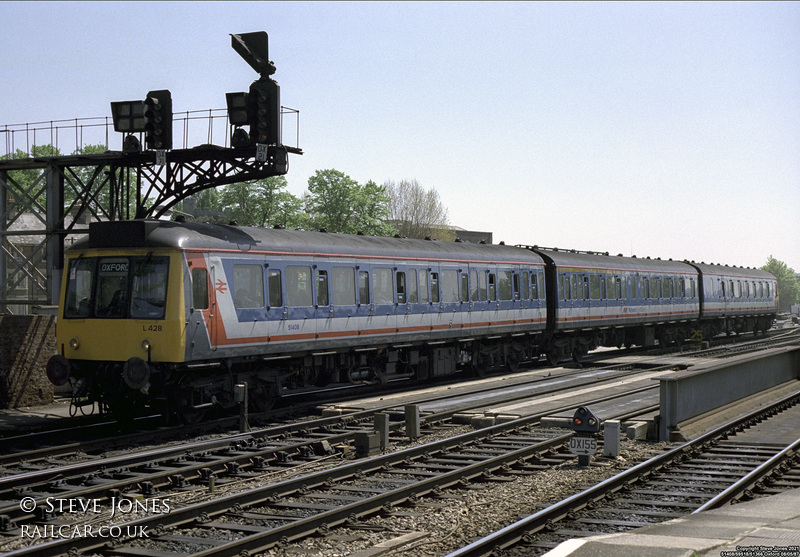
[{"x": 121, "y": 326}]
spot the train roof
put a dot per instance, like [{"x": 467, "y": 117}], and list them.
[
  {"x": 738, "y": 272},
  {"x": 215, "y": 237},
  {"x": 603, "y": 262}
]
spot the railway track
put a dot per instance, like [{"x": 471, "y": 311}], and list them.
[
  {"x": 193, "y": 470},
  {"x": 739, "y": 459},
  {"x": 298, "y": 507}
]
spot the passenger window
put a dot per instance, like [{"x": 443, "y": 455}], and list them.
[
  {"x": 344, "y": 286},
  {"x": 449, "y": 286},
  {"x": 482, "y": 291},
  {"x": 435, "y": 288},
  {"x": 474, "y": 295},
  {"x": 423, "y": 286},
  {"x": 401, "y": 287},
  {"x": 562, "y": 290},
  {"x": 585, "y": 287},
  {"x": 619, "y": 288},
  {"x": 692, "y": 288},
  {"x": 274, "y": 284},
  {"x": 576, "y": 294},
  {"x": 594, "y": 287},
  {"x": 610, "y": 288},
  {"x": 363, "y": 287},
  {"x": 526, "y": 285},
  {"x": 492, "y": 288},
  {"x": 298, "y": 286},
  {"x": 200, "y": 288},
  {"x": 382, "y": 292},
  {"x": 504, "y": 289},
  {"x": 322, "y": 288},
  {"x": 464, "y": 287},
  {"x": 534, "y": 287},
  {"x": 248, "y": 286},
  {"x": 412, "y": 287}
]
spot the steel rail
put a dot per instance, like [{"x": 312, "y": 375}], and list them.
[{"x": 513, "y": 533}]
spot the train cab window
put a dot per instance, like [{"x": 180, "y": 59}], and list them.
[
  {"x": 526, "y": 285},
  {"x": 400, "y": 279},
  {"x": 382, "y": 292},
  {"x": 344, "y": 286},
  {"x": 474, "y": 292},
  {"x": 363, "y": 287},
  {"x": 298, "y": 286},
  {"x": 412, "y": 287},
  {"x": 79, "y": 288},
  {"x": 200, "y": 288},
  {"x": 464, "y": 287},
  {"x": 274, "y": 285},
  {"x": 435, "y": 288},
  {"x": 248, "y": 286},
  {"x": 423, "y": 286},
  {"x": 534, "y": 287},
  {"x": 322, "y": 288},
  {"x": 492, "y": 287},
  {"x": 112, "y": 287}
]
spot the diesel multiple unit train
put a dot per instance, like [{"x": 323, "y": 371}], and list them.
[{"x": 174, "y": 315}]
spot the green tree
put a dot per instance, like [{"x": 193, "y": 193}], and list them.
[
  {"x": 338, "y": 203},
  {"x": 788, "y": 285},
  {"x": 417, "y": 212},
  {"x": 263, "y": 203},
  {"x": 28, "y": 187}
]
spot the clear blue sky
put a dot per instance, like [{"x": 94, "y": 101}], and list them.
[{"x": 670, "y": 130}]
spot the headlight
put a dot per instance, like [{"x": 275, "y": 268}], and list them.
[
  {"x": 146, "y": 345},
  {"x": 74, "y": 344}
]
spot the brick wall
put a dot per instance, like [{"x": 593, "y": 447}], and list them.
[{"x": 26, "y": 343}]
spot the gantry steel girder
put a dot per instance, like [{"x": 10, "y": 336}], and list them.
[{"x": 41, "y": 212}]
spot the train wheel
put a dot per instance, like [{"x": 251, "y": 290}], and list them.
[
  {"x": 263, "y": 397},
  {"x": 553, "y": 357},
  {"x": 190, "y": 415}
]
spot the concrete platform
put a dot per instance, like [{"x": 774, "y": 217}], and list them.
[
  {"x": 18, "y": 420},
  {"x": 765, "y": 527}
]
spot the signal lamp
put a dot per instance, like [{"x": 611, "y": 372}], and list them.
[
  {"x": 158, "y": 119},
  {"x": 237, "y": 108},
  {"x": 74, "y": 344},
  {"x": 128, "y": 116},
  {"x": 264, "y": 111}
]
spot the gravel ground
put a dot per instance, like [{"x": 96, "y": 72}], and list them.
[{"x": 436, "y": 525}]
